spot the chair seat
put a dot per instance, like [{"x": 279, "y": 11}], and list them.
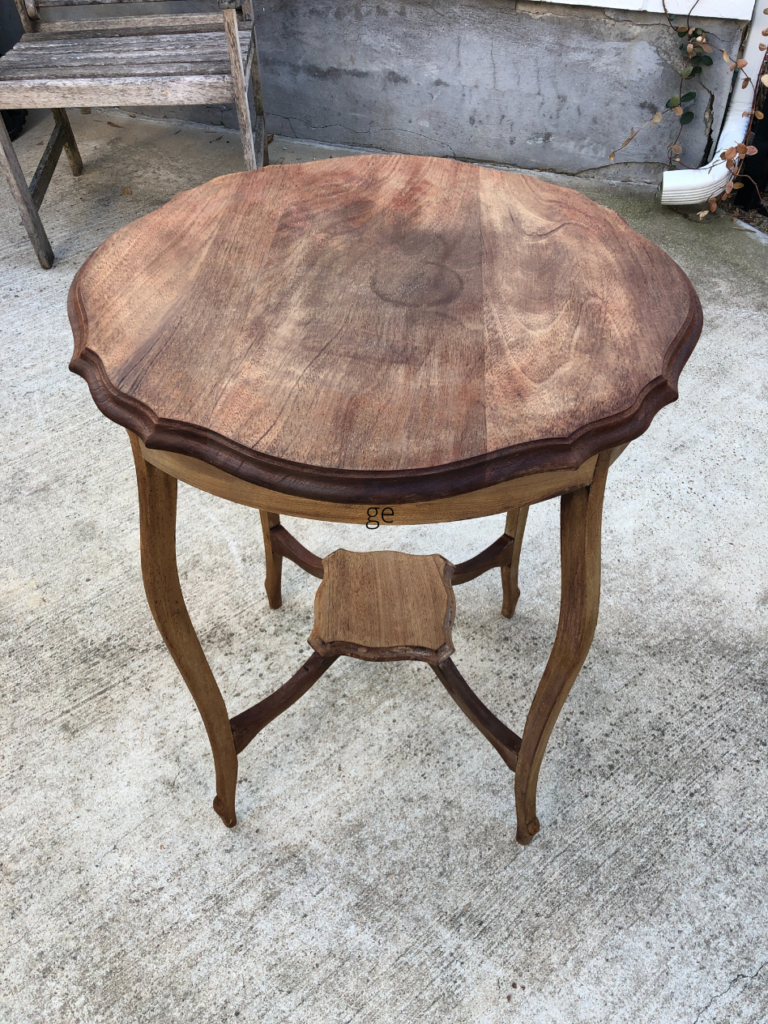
[
  {"x": 384, "y": 606},
  {"x": 45, "y": 70}
]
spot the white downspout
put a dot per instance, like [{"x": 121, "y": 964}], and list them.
[{"x": 695, "y": 186}]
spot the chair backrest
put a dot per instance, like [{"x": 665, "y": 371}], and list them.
[{"x": 118, "y": 23}]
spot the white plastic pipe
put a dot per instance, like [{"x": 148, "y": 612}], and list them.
[{"x": 694, "y": 186}]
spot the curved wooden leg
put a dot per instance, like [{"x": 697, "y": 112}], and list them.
[
  {"x": 157, "y": 506},
  {"x": 274, "y": 560},
  {"x": 580, "y": 531},
  {"x": 510, "y": 591}
]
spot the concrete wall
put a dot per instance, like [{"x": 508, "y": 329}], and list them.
[
  {"x": 544, "y": 86},
  {"x": 538, "y": 86}
]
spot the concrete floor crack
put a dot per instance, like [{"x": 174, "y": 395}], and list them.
[{"x": 727, "y": 989}]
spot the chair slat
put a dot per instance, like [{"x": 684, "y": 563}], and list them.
[
  {"x": 148, "y": 23},
  {"x": 116, "y": 92},
  {"x": 37, "y": 59},
  {"x": 44, "y": 57},
  {"x": 92, "y": 3},
  {"x": 112, "y": 66},
  {"x": 204, "y": 68},
  {"x": 171, "y": 42}
]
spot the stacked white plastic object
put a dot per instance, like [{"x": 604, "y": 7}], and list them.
[{"x": 681, "y": 187}]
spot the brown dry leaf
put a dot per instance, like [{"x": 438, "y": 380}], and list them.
[
  {"x": 738, "y": 184},
  {"x": 741, "y": 149},
  {"x": 612, "y": 157},
  {"x": 690, "y": 47},
  {"x": 656, "y": 117},
  {"x": 127, "y": 192},
  {"x": 759, "y": 115},
  {"x": 712, "y": 205},
  {"x": 762, "y": 46},
  {"x": 677, "y": 110},
  {"x": 729, "y": 188},
  {"x": 746, "y": 82},
  {"x": 764, "y": 80},
  {"x": 707, "y": 48},
  {"x": 113, "y": 125},
  {"x": 677, "y": 149},
  {"x": 726, "y": 58},
  {"x": 703, "y": 214},
  {"x": 751, "y": 150},
  {"x": 741, "y": 63}
]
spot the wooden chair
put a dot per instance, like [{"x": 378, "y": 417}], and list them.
[{"x": 159, "y": 59}]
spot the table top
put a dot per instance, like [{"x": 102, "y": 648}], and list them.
[{"x": 382, "y": 328}]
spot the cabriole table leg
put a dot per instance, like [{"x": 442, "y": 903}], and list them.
[
  {"x": 157, "y": 507},
  {"x": 274, "y": 560},
  {"x": 510, "y": 591},
  {"x": 581, "y": 515}
]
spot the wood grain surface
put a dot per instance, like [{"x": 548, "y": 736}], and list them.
[
  {"x": 384, "y": 606},
  {"x": 382, "y": 328}
]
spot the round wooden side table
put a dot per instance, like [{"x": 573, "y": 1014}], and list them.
[{"x": 382, "y": 340}]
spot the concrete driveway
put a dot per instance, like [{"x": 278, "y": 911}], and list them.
[{"x": 373, "y": 876}]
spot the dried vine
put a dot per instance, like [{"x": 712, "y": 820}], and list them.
[{"x": 697, "y": 53}]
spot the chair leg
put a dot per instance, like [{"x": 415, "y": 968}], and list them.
[
  {"x": 510, "y": 591},
  {"x": 18, "y": 184},
  {"x": 258, "y": 103},
  {"x": 70, "y": 146},
  {"x": 157, "y": 507},
  {"x": 273, "y": 559},
  {"x": 240, "y": 88},
  {"x": 580, "y": 533}
]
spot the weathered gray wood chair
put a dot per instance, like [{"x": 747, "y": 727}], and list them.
[{"x": 149, "y": 60}]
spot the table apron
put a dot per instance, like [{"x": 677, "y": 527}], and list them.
[{"x": 493, "y": 500}]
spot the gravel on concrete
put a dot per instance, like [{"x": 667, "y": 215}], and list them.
[{"x": 373, "y": 876}]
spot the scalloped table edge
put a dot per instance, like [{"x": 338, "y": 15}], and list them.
[{"x": 400, "y": 486}]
